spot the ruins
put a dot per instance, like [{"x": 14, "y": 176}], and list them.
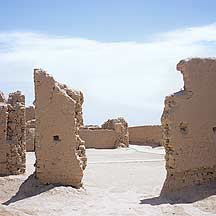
[
  {"x": 60, "y": 152},
  {"x": 30, "y": 128},
  {"x": 189, "y": 127},
  {"x": 12, "y": 134},
  {"x": 120, "y": 126},
  {"x": 112, "y": 134},
  {"x": 30, "y": 113},
  {"x": 2, "y": 97},
  {"x": 145, "y": 135},
  {"x": 30, "y": 135}
]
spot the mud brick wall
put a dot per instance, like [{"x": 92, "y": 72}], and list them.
[
  {"x": 112, "y": 134},
  {"x": 12, "y": 130},
  {"x": 150, "y": 135},
  {"x": 30, "y": 135},
  {"x": 189, "y": 127},
  {"x": 30, "y": 113},
  {"x": 60, "y": 153},
  {"x": 98, "y": 138},
  {"x": 120, "y": 126}
]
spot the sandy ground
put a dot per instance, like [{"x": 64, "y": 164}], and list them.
[{"x": 116, "y": 182}]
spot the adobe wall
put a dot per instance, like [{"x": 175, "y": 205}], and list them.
[
  {"x": 4, "y": 148},
  {"x": 98, "y": 138},
  {"x": 16, "y": 98},
  {"x": 145, "y": 135},
  {"x": 189, "y": 127},
  {"x": 2, "y": 97},
  {"x": 30, "y": 128},
  {"x": 120, "y": 126},
  {"x": 112, "y": 134},
  {"x": 60, "y": 153},
  {"x": 30, "y": 113},
  {"x": 30, "y": 135},
  {"x": 12, "y": 135}
]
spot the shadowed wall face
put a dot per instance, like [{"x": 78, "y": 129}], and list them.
[
  {"x": 60, "y": 153},
  {"x": 145, "y": 135},
  {"x": 189, "y": 127}
]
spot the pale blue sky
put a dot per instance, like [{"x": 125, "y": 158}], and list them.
[
  {"x": 104, "y": 20},
  {"x": 120, "y": 53}
]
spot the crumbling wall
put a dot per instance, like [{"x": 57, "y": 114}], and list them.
[
  {"x": 120, "y": 126},
  {"x": 16, "y": 98},
  {"x": 30, "y": 128},
  {"x": 60, "y": 153},
  {"x": 189, "y": 127},
  {"x": 2, "y": 97},
  {"x": 112, "y": 134},
  {"x": 30, "y": 113},
  {"x": 12, "y": 141},
  {"x": 98, "y": 138},
  {"x": 145, "y": 135},
  {"x": 30, "y": 135},
  {"x": 4, "y": 148}
]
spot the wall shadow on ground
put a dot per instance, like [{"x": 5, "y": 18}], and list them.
[
  {"x": 186, "y": 195},
  {"x": 30, "y": 187}
]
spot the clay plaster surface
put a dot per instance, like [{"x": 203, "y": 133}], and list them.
[
  {"x": 189, "y": 131},
  {"x": 145, "y": 135},
  {"x": 60, "y": 153}
]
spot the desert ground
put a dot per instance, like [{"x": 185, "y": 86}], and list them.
[{"x": 116, "y": 182}]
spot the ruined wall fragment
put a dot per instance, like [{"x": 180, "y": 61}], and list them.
[
  {"x": 30, "y": 128},
  {"x": 4, "y": 149},
  {"x": 60, "y": 153},
  {"x": 12, "y": 141},
  {"x": 30, "y": 113},
  {"x": 16, "y": 97},
  {"x": 189, "y": 127},
  {"x": 79, "y": 99},
  {"x": 2, "y": 97},
  {"x": 30, "y": 135},
  {"x": 120, "y": 126},
  {"x": 99, "y": 138},
  {"x": 112, "y": 134},
  {"x": 145, "y": 135}
]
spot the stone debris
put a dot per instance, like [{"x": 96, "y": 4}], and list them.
[
  {"x": 12, "y": 135},
  {"x": 60, "y": 152},
  {"x": 189, "y": 127}
]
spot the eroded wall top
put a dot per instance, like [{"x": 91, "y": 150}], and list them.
[
  {"x": 189, "y": 126},
  {"x": 60, "y": 153}
]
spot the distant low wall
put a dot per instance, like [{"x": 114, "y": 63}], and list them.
[
  {"x": 98, "y": 138},
  {"x": 145, "y": 135}
]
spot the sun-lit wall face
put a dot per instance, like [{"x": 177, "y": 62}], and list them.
[{"x": 188, "y": 125}]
